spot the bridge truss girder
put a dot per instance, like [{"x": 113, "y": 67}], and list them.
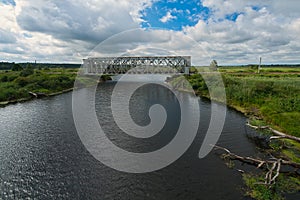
[{"x": 137, "y": 65}]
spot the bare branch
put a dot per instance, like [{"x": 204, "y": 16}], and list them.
[
  {"x": 279, "y": 135},
  {"x": 275, "y": 163}
]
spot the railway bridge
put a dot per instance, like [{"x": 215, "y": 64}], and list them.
[{"x": 137, "y": 65}]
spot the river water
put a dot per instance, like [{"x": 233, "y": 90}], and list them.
[{"x": 42, "y": 157}]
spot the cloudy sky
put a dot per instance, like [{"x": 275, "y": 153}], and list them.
[{"x": 230, "y": 31}]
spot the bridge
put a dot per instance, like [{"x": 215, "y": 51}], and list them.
[{"x": 137, "y": 65}]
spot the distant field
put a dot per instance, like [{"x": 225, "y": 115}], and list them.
[{"x": 263, "y": 69}]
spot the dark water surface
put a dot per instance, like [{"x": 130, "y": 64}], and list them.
[{"x": 42, "y": 157}]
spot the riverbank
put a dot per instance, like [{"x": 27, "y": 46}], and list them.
[
  {"x": 270, "y": 98},
  {"x": 20, "y": 86},
  {"x": 29, "y": 84},
  {"x": 6, "y": 103}
]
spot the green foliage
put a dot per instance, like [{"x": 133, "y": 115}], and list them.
[
  {"x": 284, "y": 184},
  {"x": 27, "y": 71},
  {"x": 16, "y": 67},
  {"x": 259, "y": 191},
  {"x": 275, "y": 99},
  {"x": 292, "y": 155},
  {"x": 22, "y": 81},
  {"x": 13, "y": 86},
  {"x": 193, "y": 70},
  {"x": 4, "y": 78},
  {"x": 105, "y": 78}
]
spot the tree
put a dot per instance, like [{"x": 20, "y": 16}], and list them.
[
  {"x": 4, "y": 79},
  {"x": 193, "y": 70},
  {"x": 214, "y": 65},
  {"x": 16, "y": 67},
  {"x": 27, "y": 71}
]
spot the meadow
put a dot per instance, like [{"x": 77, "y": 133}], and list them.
[
  {"x": 16, "y": 85},
  {"x": 272, "y": 96}
]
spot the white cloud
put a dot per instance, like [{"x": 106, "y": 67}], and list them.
[
  {"x": 7, "y": 37},
  {"x": 66, "y": 31},
  {"x": 167, "y": 17}
]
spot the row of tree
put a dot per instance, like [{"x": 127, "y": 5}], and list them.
[{"x": 18, "y": 66}]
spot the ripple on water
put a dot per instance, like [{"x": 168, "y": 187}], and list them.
[{"x": 42, "y": 156}]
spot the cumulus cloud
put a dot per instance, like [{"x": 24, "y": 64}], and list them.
[
  {"x": 7, "y": 37},
  {"x": 259, "y": 30},
  {"x": 167, "y": 17},
  {"x": 233, "y": 31},
  {"x": 76, "y": 20}
]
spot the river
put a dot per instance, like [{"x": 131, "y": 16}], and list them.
[{"x": 42, "y": 156}]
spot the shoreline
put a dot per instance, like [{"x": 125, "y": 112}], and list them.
[
  {"x": 289, "y": 153},
  {"x": 236, "y": 108},
  {"x": 15, "y": 101},
  {"x": 22, "y": 100},
  {"x": 239, "y": 109}
]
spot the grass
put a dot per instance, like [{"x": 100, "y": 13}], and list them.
[
  {"x": 284, "y": 184},
  {"x": 271, "y": 97},
  {"x": 274, "y": 98},
  {"x": 253, "y": 69},
  {"x": 15, "y": 85}
]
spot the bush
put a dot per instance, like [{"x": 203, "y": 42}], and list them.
[
  {"x": 8, "y": 94},
  {"x": 4, "y": 78},
  {"x": 17, "y": 67},
  {"x": 22, "y": 81},
  {"x": 11, "y": 78},
  {"x": 27, "y": 72}
]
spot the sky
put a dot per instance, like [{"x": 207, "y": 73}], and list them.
[{"x": 230, "y": 31}]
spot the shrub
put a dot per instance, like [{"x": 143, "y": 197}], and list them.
[
  {"x": 27, "y": 72},
  {"x": 17, "y": 67},
  {"x": 4, "y": 78},
  {"x": 22, "y": 81}
]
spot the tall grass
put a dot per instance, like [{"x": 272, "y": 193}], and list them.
[
  {"x": 14, "y": 85},
  {"x": 275, "y": 99}
]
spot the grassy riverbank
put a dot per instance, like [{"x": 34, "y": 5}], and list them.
[
  {"x": 271, "y": 97},
  {"x": 16, "y": 85}
]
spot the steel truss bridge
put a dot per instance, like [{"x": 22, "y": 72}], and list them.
[{"x": 137, "y": 65}]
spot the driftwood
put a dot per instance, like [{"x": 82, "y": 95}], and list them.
[
  {"x": 272, "y": 172},
  {"x": 279, "y": 135},
  {"x": 38, "y": 94},
  {"x": 33, "y": 94}
]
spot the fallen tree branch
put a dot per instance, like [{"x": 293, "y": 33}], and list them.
[
  {"x": 276, "y": 164},
  {"x": 279, "y": 135},
  {"x": 33, "y": 94}
]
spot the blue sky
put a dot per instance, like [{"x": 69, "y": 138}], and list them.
[
  {"x": 182, "y": 13},
  {"x": 8, "y": 2},
  {"x": 230, "y": 31}
]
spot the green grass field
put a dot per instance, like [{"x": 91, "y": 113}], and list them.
[
  {"x": 271, "y": 97},
  {"x": 16, "y": 85},
  {"x": 275, "y": 98}
]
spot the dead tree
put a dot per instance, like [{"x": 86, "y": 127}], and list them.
[
  {"x": 273, "y": 166},
  {"x": 279, "y": 135}
]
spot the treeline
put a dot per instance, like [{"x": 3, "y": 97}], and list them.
[{"x": 11, "y": 65}]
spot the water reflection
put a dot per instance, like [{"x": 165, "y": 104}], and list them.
[{"x": 42, "y": 157}]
